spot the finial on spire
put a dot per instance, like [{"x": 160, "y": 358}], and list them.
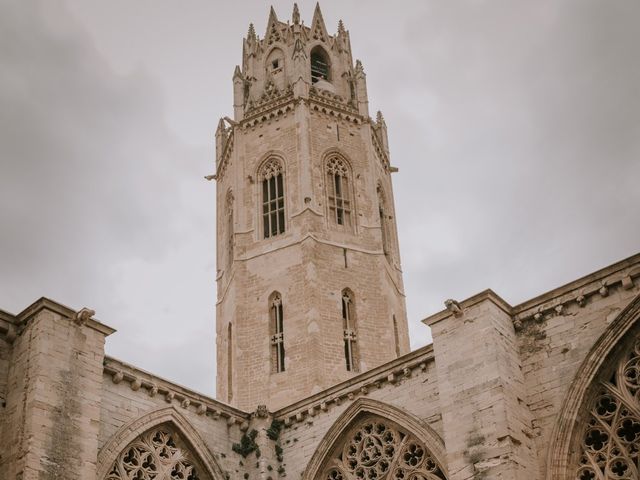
[
  {"x": 296, "y": 14},
  {"x": 237, "y": 73},
  {"x": 252, "y": 32},
  {"x": 359, "y": 67},
  {"x": 341, "y": 29},
  {"x": 272, "y": 15},
  {"x": 379, "y": 117},
  {"x": 318, "y": 29}
]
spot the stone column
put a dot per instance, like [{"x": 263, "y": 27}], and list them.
[
  {"x": 52, "y": 414},
  {"x": 487, "y": 425}
]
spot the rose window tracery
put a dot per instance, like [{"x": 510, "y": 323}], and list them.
[
  {"x": 378, "y": 450},
  {"x": 611, "y": 440},
  {"x": 156, "y": 455}
]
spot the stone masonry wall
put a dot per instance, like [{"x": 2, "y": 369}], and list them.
[{"x": 556, "y": 332}]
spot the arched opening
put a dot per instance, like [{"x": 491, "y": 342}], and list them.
[
  {"x": 158, "y": 454},
  {"x": 338, "y": 185},
  {"x": 273, "y": 218},
  {"x": 160, "y": 445},
  {"x": 230, "y": 229},
  {"x": 597, "y": 431},
  {"x": 384, "y": 222},
  {"x": 320, "y": 65},
  {"x": 276, "y": 322},
  {"x": 349, "y": 331},
  {"x": 229, "y": 362},
  {"x": 374, "y": 440}
]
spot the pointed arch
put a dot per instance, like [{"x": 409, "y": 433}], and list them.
[
  {"x": 271, "y": 176},
  {"x": 362, "y": 409},
  {"x": 320, "y": 65},
  {"x": 384, "y": 217},
  {"x": 230, "y": 227},
  {"x": 339, "y": 188},
  {"x": 133, "y": 430},
  {"x": 276, "y": 332},
  {"x": 350, "y": 330},
  {"x": 597, "y": 370}
]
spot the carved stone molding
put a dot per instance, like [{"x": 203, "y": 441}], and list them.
[
  {"x": 172, "y": 422},
  {"x": 565, "y": 438},
  {"x": 374, "y": 438}
]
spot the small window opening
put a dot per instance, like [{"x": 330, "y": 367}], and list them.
[
  {"x": 319, "y": 66},
  {"x": 277, "y": 335},
  {"x": 349, "y": 331},
  {"x": 275, "y": 64},
  {"x": 229, "y": 363},
  {"x": 396, "y": 336}
]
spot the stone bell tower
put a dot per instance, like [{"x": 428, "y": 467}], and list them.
[{"x": 309, "y": 282}]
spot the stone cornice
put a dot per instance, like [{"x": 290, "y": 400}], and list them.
[
  {"x": 43, "y": 303},
  {"x": 591, "y": 283},
  {"x": 389, "y": 373},
  {"x": 485, "y": 295},
  {"x": 624, "y": 274},
  {"x": 153, "y": 385}
]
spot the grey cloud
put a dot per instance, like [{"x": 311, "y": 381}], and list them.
[{"x": 515, "y": 126}]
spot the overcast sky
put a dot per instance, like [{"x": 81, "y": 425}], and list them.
[{"x": 515, "y": 126}]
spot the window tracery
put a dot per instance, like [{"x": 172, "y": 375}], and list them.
[
  {"x": 277, "y": 333},
  {"x": 272, "y": 175},
  {"x": 384, "y": 223},
  {"x": 610, "y": 447},
  {"x": 377, "y": 449},
  {"x": 230, "y": 229},
  {"x": 338, "y": 191},
  {"x": 349, "y": 331},
  {"x": 158, "y": 454}
]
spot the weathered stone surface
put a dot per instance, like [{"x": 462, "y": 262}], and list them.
[{"x": 547, "y": 389}]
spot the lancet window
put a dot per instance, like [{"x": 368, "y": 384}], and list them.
[
  {"x": 338, "y": 191},
  {"x": 610, "y": 446},
  {"x": 384, "y": 222},
  {"x": 277, "y": 333},
  {"x": 320, "y": 66},
  {"x": 229, "y": 362},
  {"x": 377, "y": 449},
  {"x": 159, "y": 454},
  {"x": 396, "y": 337},
  {"x": 349, "y": 331},
  {"x": 230, "y": 229},
  {"x": 273, "y": 222}
]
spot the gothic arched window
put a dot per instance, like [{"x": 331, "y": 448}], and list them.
[
  {"x": 276, "y": 327},
  {"x": 320, "y": 65},
  {"x": 349, "y": 332},
  {"x": 229, "y": 362},
  {"x": 159, "y": 454},
  {"x": 610, "y": 443},
  {"x": 230, "y": 229},
  {"x": 272, "y": 176},
  {"x": 384, "y": 222},
  {"x": 376, "y": 448},
  {"x": 396, "y": 337},
  {"x": 338, "y": 191}
]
